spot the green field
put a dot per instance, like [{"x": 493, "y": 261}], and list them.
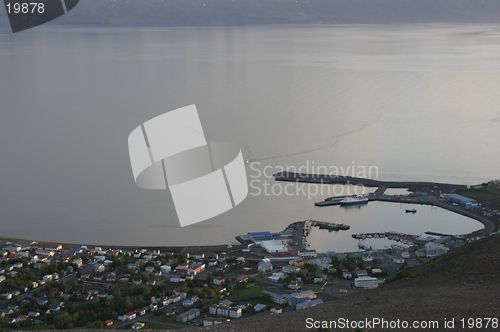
[
  {"x": 488, "y": 198},
  {"x": 251, "y": 292}
]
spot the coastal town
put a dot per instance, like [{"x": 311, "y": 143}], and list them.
[{"x": 62, "y": 286}]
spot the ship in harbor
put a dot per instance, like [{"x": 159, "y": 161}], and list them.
[{"x": 352, "y": 200}]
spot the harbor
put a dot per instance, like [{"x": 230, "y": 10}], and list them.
[{"x": 420, "y": 193}]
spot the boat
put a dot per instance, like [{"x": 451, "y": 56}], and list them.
[
  {"x": 351, "y": 200},
  {"x": 411, "y": 211}
]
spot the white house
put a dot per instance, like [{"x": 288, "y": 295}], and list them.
[
  {"x": 276, "y": 310},
  {"x": 219, "y": 281},
  {"x": 265, "y": 266},
  {"x": 165, "y": 268}
]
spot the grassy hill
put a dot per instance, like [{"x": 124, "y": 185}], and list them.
[
  {"x": 464, "y": 283},
  {"x": 241, "y": 12}
]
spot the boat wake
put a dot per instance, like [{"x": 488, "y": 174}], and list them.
[{"x": 334, "y": 142}]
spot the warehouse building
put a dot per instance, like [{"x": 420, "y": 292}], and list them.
[{"x": 459, "y": 199}]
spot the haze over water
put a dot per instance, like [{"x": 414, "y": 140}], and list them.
[{"x": 418, "y": 102}]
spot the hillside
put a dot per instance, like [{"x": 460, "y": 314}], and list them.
[
  {"x": 241, "y": 12},
  {"x": 464, "y": 283}
]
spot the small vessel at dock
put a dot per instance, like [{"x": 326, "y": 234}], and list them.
[{"x": 411, "y": 211}]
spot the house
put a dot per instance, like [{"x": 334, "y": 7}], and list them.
[
  {"x": 220, "y": 289},
  {"x": 188, "y": 315},
  {"x": 277, "y": 276},
  {"x": 165, "y": 268},
  {"x": 243, "y": 278},
  {"x": 346, "y": 275},
  {"x": 297, "y": 262},
  {"x": 138, "y": 326},
  {"x": 367, "y": 257},
  {"x": 34, "y": 314},
  {"x": 2, "y": 278},
  {"x": 199, "y": 256},
  {"x": 108, "y": 322},
  {"x": 290, "y": 269},
  {"x": 140, "y": 312},
  {"x": 243, "y": 305},
  {"x": 21, "y": 318},
  {"x": 361, "y": 273},
  {"x": 219, "y": 281},
  {"x": 276, "y": 310},
  {"x": 130, "y": 316},
  {"x": 99, "y": 268},
  {"x": 240, "y": 260},
  {"x": 174, "y": 298},
  {"x": 265, "y": 266},
  {"x": 41, "y": 301},
  {"x": 259, "y": 307},
  {"x": 320, "y": 279},
  {"x": 188, "y": 302},
  {"x": 398, "y": 260}
]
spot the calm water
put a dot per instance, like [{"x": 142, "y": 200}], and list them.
[{"x": 417, "y": 102}]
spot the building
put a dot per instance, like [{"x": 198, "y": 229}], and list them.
[
  {"x": 208, "y": 321},
  {"x": 459, "y": 199},
  {"x": 346, "y": 275},
  {"x": 235, "y": 312},
  {"x": 259, "y": 307},
  {"x": 276, "y": 298},
  {"x": 308, "y": 304},
  {"x": 188, "y": 315},
  {"x": 219, "y": 281},
  {"x": 46, "y": 246},
  {"x": 366, "y": 282},
  {"x": 367, "y": 257},
  {"x": 308, "y": 253},
  {"x": 265, "y": 266},
  {"x": 130, "y": 316},
  {"x": 276, "y": 310},
  {"x": 138, "y": 326},
  {"x": 165, "y": 268},
  {"x": 432, "y": 250},
  {"x": 291, "y": 269},
  {"x": 361, "y": 273}
]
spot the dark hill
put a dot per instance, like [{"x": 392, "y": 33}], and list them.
[{"x": 464, "y": 283}]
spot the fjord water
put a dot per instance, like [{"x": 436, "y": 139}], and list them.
[{"x": 414, "y": 102}]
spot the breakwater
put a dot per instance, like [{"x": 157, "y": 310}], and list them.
[{"x": 349, "y": 180}]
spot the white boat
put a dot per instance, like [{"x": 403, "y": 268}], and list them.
[{"x": 356, "y": 199}]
